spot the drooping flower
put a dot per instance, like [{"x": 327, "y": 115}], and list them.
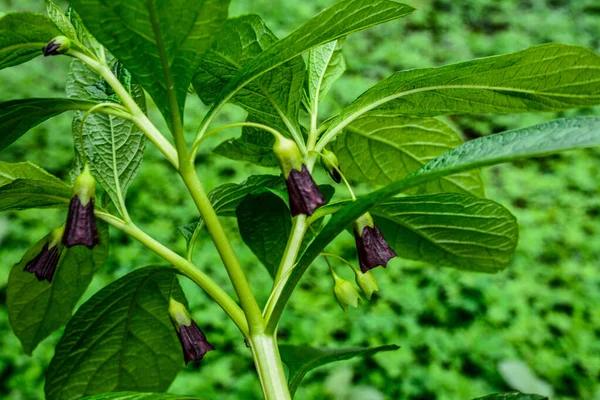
[
  {"x": 304, "y": 194},
  {"x": 58, "y": 45},
  {"x": 81, "y": 222},
  {"x": 332, "y": 166},
  {"x": 373, "y": 249},
  {"x": 192, "y": 339},
  {"x": 44, "y": 264}
]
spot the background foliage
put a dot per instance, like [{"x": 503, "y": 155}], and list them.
[{"x": 454, "y": 328}]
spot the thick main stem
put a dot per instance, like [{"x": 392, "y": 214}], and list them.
[
  {"x": 233, "y": 267},
  {"x": 269, "y": 367}
]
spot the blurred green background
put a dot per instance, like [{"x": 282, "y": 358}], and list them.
[{"x": 454, "y": 328}]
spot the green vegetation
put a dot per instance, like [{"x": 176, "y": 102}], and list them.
[{"x": 454, "y": 328}]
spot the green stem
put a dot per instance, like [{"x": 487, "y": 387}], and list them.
[
  {"x": 299, "y": 227},
  {"x": 185, "y": 267},
  {"x": 137, "y": 115},
  {"x": 232, "y": 265},
  {"x": 269, "y": 367}
]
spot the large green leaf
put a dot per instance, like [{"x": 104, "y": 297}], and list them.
[
  {"x": 38, "y": 308},
  {"x": 255, "y": 146},
  {"x": 302, "y": 359},
  {"x": 19, "y": 116},
  {"x": 542, "y": 78},
  {"x": 22, "y": 37},
  {"x": 139, "y": 396},
  {"x": 113, "y": 146},
  {"x": 121, "y": 339},
  {"x": 326, "y": 64},
  {"x": 265, "y": 222},
  {"x": 25, "y": 185},
  {"x": 275, "y": 98},
  {"x": 537, "y": 140},
  {"x": 512, "y": 396},
  {"x": 160, "y": 42},
  {"x": 449, "y": 229},
  {"x": 337, "y": 21},
  {"x": 381, "y": 149}
]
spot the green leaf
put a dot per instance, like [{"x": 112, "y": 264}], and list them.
[
  {"x": 22, "y": 37},
  {"x": 61, "y": 21},
  {"x": 537, "y": 140},
  {"x": 25, "y": 185},
  {"x": 19, "y": 116},
  {"x": 114, "y": 147},
  {"x": 265, "y": 222},
  {"x": 549, "y": 77},
  {"x": 139, "y": 396},
  {"x": 226, "y": 198},
  {"x": 302, "y": 359},
  {"x": 512, "y": 396},
  {"x": 169, "y": 38},
  {"x": 339, "y": 20},
  {"x": 449, "y": 229},
  {"x": 275, "y": 98},
  {"x": 38, "y": 308},
  {"x": 326, "y": 64},
  {"x": 83, "y": 35},
  {"x": 380, "y": 149},
  {"x": 255, "y": 146},
  {"x": 121, "y": 339}
]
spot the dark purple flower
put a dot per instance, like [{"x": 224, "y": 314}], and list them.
[
  {"x": 81, "y": 224},
  {"x": 373, "y": 250},
  {"x": 44, "y": 264},
  {"x": 58, "y": 45},
  {"x": 193, "y": 342},
  {"x": 335, "y": 175},
  {"x": 304, "y": 193}
]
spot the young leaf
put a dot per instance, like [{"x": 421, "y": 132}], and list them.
[
  {"x": 120, "y": 339},
  {"x": 337, "y": 21},
  {"x": 265, "y": 222},
  {"x": 61, "y": 21},
  {"x": 139, "y": 396},
  {"x": 302, "y": 359},
  {"x": 512, "y": 396},
  {"x": 168, "y": 37},
  {"x": 381, "y": 149},
  {"x": 510, "y": 83},
  {"x": 83, "y": 35},
  {"x": 113, "y": 146},
  {"x": 22, "y": 37},
  {"x": 275, "y": 98},
  {"x": 537, "y": 140},
  {"x": 19, "y": 116},
  {"x": 326, "y": 64},
  {"x": 38, "y": 308},
  {"x": 255, "y": 146},
  {"x": 25, "y": 185},
  {"x": 449, "y": 229}
]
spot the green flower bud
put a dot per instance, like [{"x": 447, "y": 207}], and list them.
[
  {"x": 345, "y": 293},
  {"x": 330, "y": 162},
  {"x": 58, "y": 45},
  {"x": 366, "y": 282}
]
